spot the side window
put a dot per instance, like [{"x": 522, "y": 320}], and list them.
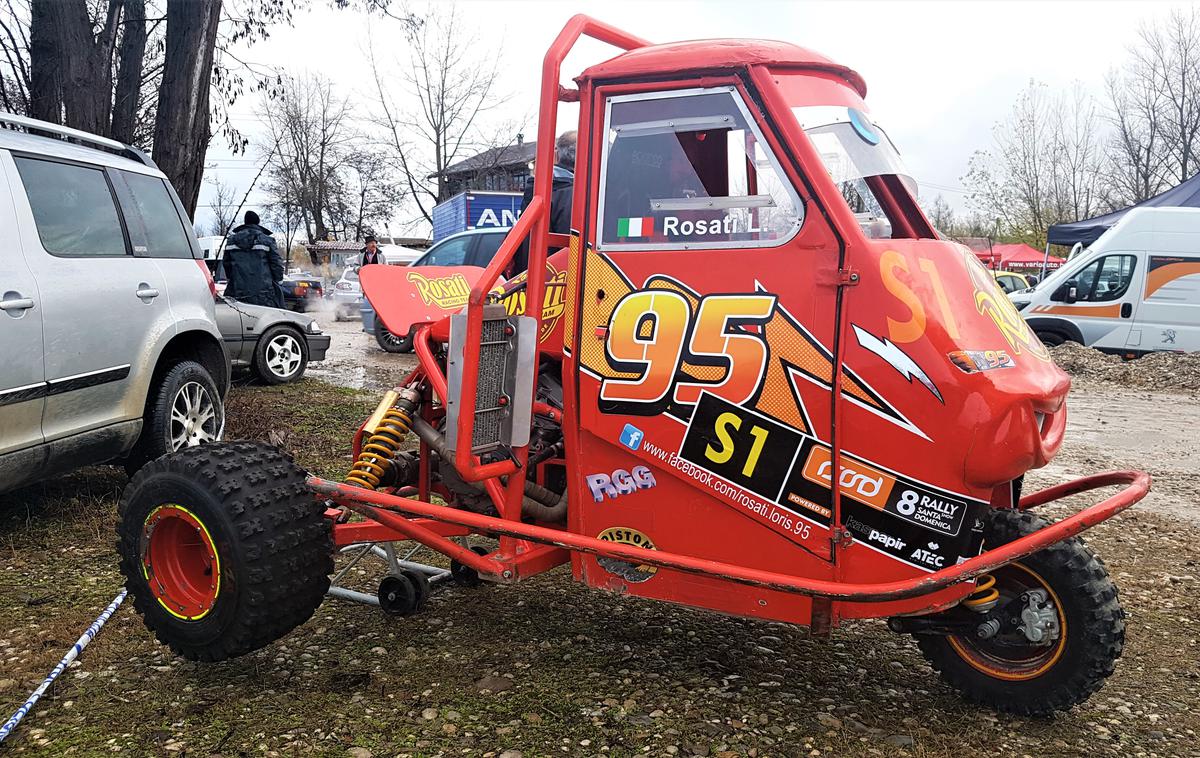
[
  {"x": 1106, "y": 279},
  {"x": 155, "y": 229},
  {"x": 486, "y": 247},
  {"x": 689, "y": 169},
  {"x": 450, "y": 253},
  {"x": 73, "y": 208}
]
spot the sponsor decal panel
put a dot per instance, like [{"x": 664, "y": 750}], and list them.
[
  {"x": 628, "y": 571},
  {"x": 972, "y": 361},
  {"x": 619, "y": 482},
  {"x": 554, "y": 304}
]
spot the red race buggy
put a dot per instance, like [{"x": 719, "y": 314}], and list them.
[{"x": 751, "y": 379}]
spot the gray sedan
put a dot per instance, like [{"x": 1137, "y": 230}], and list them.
[{"x": 275, "y": 344}]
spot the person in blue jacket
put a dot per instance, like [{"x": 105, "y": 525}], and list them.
[{"x": 252, "y": 264}]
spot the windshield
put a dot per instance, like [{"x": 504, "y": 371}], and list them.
[{"x": 853, "y": 149}]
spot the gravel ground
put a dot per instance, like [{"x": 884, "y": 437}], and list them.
[{"x": 548, "y": 668}]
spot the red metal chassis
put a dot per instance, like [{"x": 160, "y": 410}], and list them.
[{"x": 528, "y": 549}]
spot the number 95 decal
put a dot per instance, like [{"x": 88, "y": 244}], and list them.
[{"x": 674, "y": 355}]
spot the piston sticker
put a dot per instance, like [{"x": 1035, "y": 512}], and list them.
[{"x": 629, "y": 572}]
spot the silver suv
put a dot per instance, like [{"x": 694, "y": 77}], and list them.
[{"x": 109, "y": 346}]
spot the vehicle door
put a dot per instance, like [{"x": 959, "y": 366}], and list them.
[
  {"x": 101, "y": 304},
  {"x": 1168, "y": 314},
  {"x": 1099, "y": 299},
  {"x": 22, "y": 371},
  {"x": 702, "y": 347}
]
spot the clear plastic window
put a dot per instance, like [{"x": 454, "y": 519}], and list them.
[{"x": 689, "y": 170}]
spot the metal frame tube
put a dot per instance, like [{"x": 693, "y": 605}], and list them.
[{"x": 388, "y": 507}]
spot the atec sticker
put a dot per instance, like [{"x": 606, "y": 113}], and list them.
[
  {"x": 620, "y": 482},
  {"x": 624, "y": 569}
]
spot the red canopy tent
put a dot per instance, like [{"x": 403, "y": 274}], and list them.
[{"x": 1017, "y": 257}]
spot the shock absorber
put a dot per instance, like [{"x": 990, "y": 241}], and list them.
[
  {"x": 985, "y": 596},
  {"x": 383, "y": 434}
]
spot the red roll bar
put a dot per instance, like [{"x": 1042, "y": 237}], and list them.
[{"x": 387, "y": 508}]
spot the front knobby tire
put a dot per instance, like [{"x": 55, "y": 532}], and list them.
[
  {"x": 223, "y": 548},
  {"x": 1039, "y": 680}
]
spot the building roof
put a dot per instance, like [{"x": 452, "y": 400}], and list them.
[
  {"x": 718, "y": 54},
  {"x": 497, "y": 157}
]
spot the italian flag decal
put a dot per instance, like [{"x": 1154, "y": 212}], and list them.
[{"x": 635, "y": 227}]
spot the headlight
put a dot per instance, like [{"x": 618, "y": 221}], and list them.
[
  {"x": 314, "y": 327},
  {"x": 1021, "y": 305}
]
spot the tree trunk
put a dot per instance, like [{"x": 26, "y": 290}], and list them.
[
  {"x": 129, "y": 71},
  {"x": 45, "y": 82},
  {"x": 85, "y": 62},
  {"x": 182, "y": 131}
]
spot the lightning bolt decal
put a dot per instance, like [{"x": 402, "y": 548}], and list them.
[{"x": 896, "y": 358}]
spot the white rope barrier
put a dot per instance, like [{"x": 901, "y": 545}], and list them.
[{"x": 71, "y": 655}]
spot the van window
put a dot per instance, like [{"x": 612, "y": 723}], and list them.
[
  {"x": 73, "y": 208},
  {"x": 154, "y": 225},
  {"x": 1105, "y": 279},
  {"x": 689, "y": 170}
]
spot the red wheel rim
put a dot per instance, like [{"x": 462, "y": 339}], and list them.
[{"x": 180, "y": 562}]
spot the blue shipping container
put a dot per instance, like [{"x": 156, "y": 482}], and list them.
[{"x": 472, "y": 210}]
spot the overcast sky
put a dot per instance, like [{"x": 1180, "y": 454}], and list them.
[{"x": 939, "y": 74}]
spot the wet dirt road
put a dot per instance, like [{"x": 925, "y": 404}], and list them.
[{"x": 354, "y": 360}]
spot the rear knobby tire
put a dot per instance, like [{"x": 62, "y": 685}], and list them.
[
  {"x": 1091, "y": 643},
  {"x": 247, "y": 504}
]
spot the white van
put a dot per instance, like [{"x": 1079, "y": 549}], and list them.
[{"x": 1135, "y": 290}]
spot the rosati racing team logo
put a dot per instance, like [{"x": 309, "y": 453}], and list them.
[
  {"x": 554, "y": 304},
  {"x": 445, "y": 292},
  {"x": 628, "y": 571}
]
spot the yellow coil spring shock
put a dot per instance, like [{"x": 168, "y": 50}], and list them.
[
  {"x": 985, "y": 596},
  {"x": 383, "y": 435}
]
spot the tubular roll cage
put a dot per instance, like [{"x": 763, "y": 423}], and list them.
[{"x": 527, "y": 549}]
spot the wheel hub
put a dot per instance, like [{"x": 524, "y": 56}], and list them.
[{"x": 180, "y": 562}]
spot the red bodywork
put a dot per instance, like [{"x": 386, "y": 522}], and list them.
[{"x": 943, "y": 400}]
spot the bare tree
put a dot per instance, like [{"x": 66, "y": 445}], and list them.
[
  {"x": 224, "y": 207},
  {"x": 1077, "y": 156},
  {"x": 941, "y": 215},
  {"x": 1135, "y": 147},
  {"x": 1168, "y": 54},
  {"x": 448, "y": 81},
  {"x": 371, "y": 183},
  {"x": 310, "y": 124}
]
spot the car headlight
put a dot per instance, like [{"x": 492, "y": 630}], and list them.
[
  {"x": 1021, "y": 305},
  {"x": 314, "y": 327}
]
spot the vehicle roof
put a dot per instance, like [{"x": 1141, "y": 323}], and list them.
[
  {"x": 476, "y": 230},
  {"x": 718, "y": 54},
  {"x": 52, "y": 147},
  {"x": 1161, "y": 230}
]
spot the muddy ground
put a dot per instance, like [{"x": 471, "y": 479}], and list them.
[{"x": 547, "y": 668}]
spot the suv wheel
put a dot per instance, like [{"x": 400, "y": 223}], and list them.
[
  {"x": 280, "y": 356},
  {"x": 184, "y": 410}
]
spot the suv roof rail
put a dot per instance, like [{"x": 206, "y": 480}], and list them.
[{"x": 67, "y": 134}]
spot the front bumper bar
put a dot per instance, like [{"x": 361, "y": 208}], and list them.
[{"x": 388, "y": 510}]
